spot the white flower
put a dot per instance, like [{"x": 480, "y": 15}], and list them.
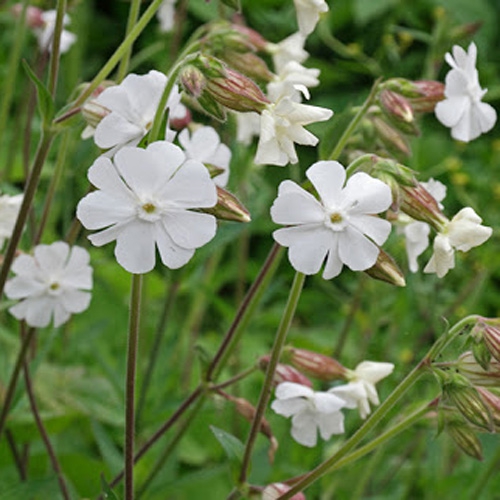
[
  {"x": 361, "y": 391},
  {"x": 204, "y": 146},
  {"x": 9, "y": 209},
  {"x": 52, "y": 284},
  {"x": 417, "y": 232},
  {"x": 166, "y": 15},
  {"x": 308, "y": 12},
  {"x": 339, "y": 226},
  {"x": 462, "y": 109},
  {"x": 289, "y": 49},
  {"x": 310, "y": 411},
  {"x": 132, "y": 107},
  {"x": 145, "y": 201},
  {"x": 282, "y": 125},
  {"x": 296, "y": 75},
  {"x": 462, "y": 233},
  {"x": 45, "y": 34}
]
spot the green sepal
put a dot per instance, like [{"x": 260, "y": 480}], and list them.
[{"x": 233, "y": 447}]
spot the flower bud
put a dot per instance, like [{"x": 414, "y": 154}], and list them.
[
  {"x": 33, "y": 15},
  {"x": 431, "y": 93},
  {"x": 463, "y": 436},
  {"x": 275, "y": 490},
  {"x": 419, "y": 204},
  {"x": 460, "y": 393},
  {"x": 315, "y": 365},
  {"x": 386, "y": 269},
  {"x": 392, "y": 139},
  {"x": 228, "y": 207},
  {"x": 398, "y": 111},
  {"x": 470, "y": 368},
  {"x": 488, "y": 329},
  {"x": 93, "y": 112},
  {"x": 284, "y": 373},
  {"x": 254, "y": 38},
  {"x": 249, "y": 64},
  {"x": 214, "y": 84},
  {"x": 493, "y": 402}
]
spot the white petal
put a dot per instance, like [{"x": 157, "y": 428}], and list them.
[
  {"x": 328, "y": 178},
  {"x": 356, "y": 251},
  {"x": 61, "y": 315},
  {"x": 334, "y": 265},
  {"x": 373, "y": 371},
  {"x": 135, "y": 247},
  {"x": 417, "y": 240},
  {"x": 372, "y": 226},
  {"x": 287, "y": 390},
  {"x": 326, "y": 402},
  {"x": 304, "y": 429},
  {"x": 450, "y": 111},
  {"x": 330, "y": 424},
  {"x": 443, "y": 257},
  {"x": 299, "y": 207},
  {"x": 98, "y": 210},
  {"x": 20, "y": 287},
  {"x": 189, "y": 229},
  {"x": 465, "y": 230},
  {"x": 289, "y": 407},
  {"x": 366, "y": 195},
  {"x": 173, "y": 256},
  {"x": 114, "y": 129},
  {"x": 51, "y": 258},
  {"x": 75, "y": 301}
]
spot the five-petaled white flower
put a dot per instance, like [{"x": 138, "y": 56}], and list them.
[
  {"x": 131, "y": 107},
  {"x": 462, "y": 109},
  {"x": 308, "y": 12},
  {"x": 204, "y": 146},
  {"x": 282, "y": 125},
  {"x": 145, "y": 200},
  {"x": 52, "y": 284},
  {"x": 340, "y": 226},
  {"x": 45, "y": 33},
  {"x": 310, "y": 411},
  {"x": 462, "y": 233},
  {"x": 9, "y": 209},
  {"x": 361, "y": 391}
]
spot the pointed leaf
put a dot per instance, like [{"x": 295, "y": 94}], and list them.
[{"x": 45, "y": 101}]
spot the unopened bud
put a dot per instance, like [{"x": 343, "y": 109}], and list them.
[
  {"x": 284, "y": 373},
  {"x": 228, "y": 207},
  {"x": 398, "y": 110},
  {"x": 431, "y": 93},
  {"x": 465, "y": 398},
  {"x": 193, "y": 81},
  {"x": 464, "y": 436},
  {"x": 94, "y": 112},
  {"x": 392, "y": 139},
  {"x": 256, "y": 39},
  {"x": 386, "y": 269},
  {"x": 249, "y": 64},
  {"x": 419, "y": 204},
  {"x": 488, "y": 329},
  {"x": 315, "y": 365},
  {"x": 493, "y": 402},
  {"x": 275, "y": 490},
  {"x": 33, "y": 16},
  {"x": 470, "y": 368}
]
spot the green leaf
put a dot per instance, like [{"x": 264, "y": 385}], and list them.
[
  {"x": 45, "y": 101},
  {"x": 108, "y": 493},
  {"x": 233, "y": 447}
]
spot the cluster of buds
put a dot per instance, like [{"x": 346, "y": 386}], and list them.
[
  {"x": 485, "y": 337},
  {"x": 237, "y": 45},
  {"x": 215, "y": 86}
]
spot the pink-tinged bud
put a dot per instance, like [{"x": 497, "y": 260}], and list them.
[
  {"x": 247, "y": 411},
  {"x": 193, "y": 81},
  {"x": 463, "y": 435},
  {"x": 391, "y": 138},
  {"x": 256, "y": 39},
  {"x": 228, "y": 207},
  {"x": 180, "y": 123},
  {"x": 93, "y": 112},
  {"x": 398, "y": 111},
  {"x": 459, "y": 392},
  {"x": 249, "y": 64},
  {"x": 33, "y": 16},
  {"x": 386, "y": 270},
  {"x": 470, "y": 368},
  {"x": 419, "y": 204},
  {"x": 275, "y": 490},
  {"x": 488, "y": 329},
  {"x": 315, "y": 365},
  {"x": 284, "y": 373},
  {"x": 431, "y": 93},
  {"x": 493, "y": 403}
]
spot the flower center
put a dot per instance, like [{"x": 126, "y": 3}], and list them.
[
  {"x": 54, "y": 289},
  {"x": 336, "y": 220},
  {"x": 149, "y": 211}
]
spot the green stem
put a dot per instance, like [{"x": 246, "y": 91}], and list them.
[
  {"x": 279, "y": 342},
  {"x": 133, "y": 340},
  {"x": 26, "y": 342},
  {"x": 245, "y": 312},
  {"x": 56, "y": 46},
  {"x": 441, "y": 343},
  {"x": 54, "y": 181},
  {"x": 334, "y": 155},
  {"x": 10, "y": 75},
  {"x": 133, "y": 15},
  {"x": 484, "y": 476},
  {"x": 29, "y": 194}
]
